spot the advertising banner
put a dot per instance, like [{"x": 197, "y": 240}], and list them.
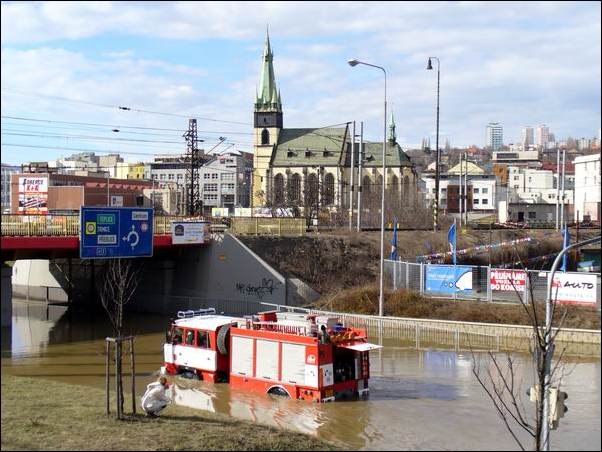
[
  {"x": 220, "y": 212},
  {"x": 507, "y": 280},
  {"x": 33, "y": 195},
  {"x": 574, "y": 288},
  {"x": 189, "y": 232},
  {"x": 449, "y": 279},
  {"x": 117, "y": 200}
]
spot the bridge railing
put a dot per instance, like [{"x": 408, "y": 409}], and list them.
[{"x": 62, "y": 225}]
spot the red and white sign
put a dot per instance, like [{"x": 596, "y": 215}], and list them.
[
  {"x": 33, "y": 195},
  {"x": 574, "y": 288},
  {"x": 507, "y": 280}
]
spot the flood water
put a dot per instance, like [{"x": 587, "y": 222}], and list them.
[{"x": 419, "y": 399}]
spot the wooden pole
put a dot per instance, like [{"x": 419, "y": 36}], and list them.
[
  {"x": 117, "y": 378},
  {"x": 107, "y": 375},
  {"x": 133, "y": 365}
]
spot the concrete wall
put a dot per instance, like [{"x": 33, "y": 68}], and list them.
[
  {"x": 33, "y": 280},
  {"x": 7, "y": 306}
]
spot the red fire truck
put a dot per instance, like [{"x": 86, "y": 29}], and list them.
[{"x": 301, "y": 356}]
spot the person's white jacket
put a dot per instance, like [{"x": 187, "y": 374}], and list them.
[{"x": 155, "y": 399}]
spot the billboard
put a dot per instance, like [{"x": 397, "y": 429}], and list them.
[
  {"x": 33, "y": 195},
  {"x": 507, "y": 280},
  {"x": 113, "y": 232},
  {"x": 449, "y": 279},
  {"x": 190, "y": 232},
  {"x": 574, "y": 288}
]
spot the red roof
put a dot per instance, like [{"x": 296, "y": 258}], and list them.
[{"x": 569, "y": 168}]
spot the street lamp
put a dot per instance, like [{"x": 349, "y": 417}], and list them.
[
  {"x": 429, "y": 67},
  {"x": 354, "y": 63}
]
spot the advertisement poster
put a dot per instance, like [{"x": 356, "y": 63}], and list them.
[
  {"x": 574, "y": 288},
  {"x": 449, "y": 279},
  {"x": 190, "y": 232},
  {"x": 117, "y": 200},
  {"x": 507, "y": 280},
  {"x": 33, "y": 195}
]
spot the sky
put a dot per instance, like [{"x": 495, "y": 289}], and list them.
[{"x": 517, "y": 63}]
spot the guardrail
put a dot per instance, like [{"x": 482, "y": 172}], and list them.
[
  {"x": 63, "y": 225},
  {"x": 268, "y": 226}
]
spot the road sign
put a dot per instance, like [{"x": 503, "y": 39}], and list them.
[{"x": 109, "y": 232}]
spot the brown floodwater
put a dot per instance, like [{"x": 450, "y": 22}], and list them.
[{"x": 426, "y": 399}]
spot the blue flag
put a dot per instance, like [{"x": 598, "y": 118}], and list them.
[
  {"x": 451, "y": 238},
  {"x": 565, "y": 242},
  {"x": 394, "y": 242}
]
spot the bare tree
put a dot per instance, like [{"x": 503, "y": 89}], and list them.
[
  {"x": 121, "y": 281},
  {"x": 503, "y": 380}
]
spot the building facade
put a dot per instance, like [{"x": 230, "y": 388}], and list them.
[
  {"x": 587, "y": 187},
  {"x": 543, "y": 136},
  {"x": 495, "y": 136},
  {"x": 7, "y": 171},
  {"x": 527, "y": 137}
]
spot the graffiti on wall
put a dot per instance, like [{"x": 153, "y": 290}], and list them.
[{"x": 267, "y": 286}]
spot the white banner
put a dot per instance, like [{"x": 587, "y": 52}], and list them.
[
  {"x": 189, "y": 232},
  {"x": 31, "y": 185},
  {"x": 574, "y": 288},
  {"x": 33, "y": 195}
]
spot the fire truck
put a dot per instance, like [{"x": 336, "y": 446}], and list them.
[{"x": 299, "y": 356}]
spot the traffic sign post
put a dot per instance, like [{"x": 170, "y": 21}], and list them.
[{"x": 114, "y": 232}]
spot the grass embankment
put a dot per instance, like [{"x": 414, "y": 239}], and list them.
[
  {"x": 364, "y": 300},
  {"x": 46, "y": 415}
]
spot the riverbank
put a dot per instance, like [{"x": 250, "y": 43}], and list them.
[
  {"x": 401, "y": 303},
  {"x": 41, "y": 414}
]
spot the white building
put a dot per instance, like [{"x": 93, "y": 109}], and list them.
[
  {"x": 527, "y": 137},
  {"x": 587, "y": 187},
  {"x": 543, "y": 136},
  {"x": 535, "y": 186},
  {"x": 495, "y": 136}
]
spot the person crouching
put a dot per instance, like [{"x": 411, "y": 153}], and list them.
[{"x": 155, "y": 398}]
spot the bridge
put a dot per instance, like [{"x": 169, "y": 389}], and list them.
[{"x": 46, "y": 236}]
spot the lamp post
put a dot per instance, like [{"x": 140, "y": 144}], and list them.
[
  {"x": 381, "y": 303},
  {"x": 436, "y": 208}
]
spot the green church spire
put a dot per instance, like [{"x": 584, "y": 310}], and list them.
[
  {"x": 268, "y": 96},
  {"x": 392, "y": 135}
]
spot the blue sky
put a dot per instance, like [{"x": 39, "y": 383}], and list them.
[{"x": 523, "y": 63}]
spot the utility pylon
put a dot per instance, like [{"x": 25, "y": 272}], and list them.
[{"x": 194, "y": 161}]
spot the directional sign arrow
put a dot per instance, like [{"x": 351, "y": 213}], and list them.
[{"x": 126, "y": 238}]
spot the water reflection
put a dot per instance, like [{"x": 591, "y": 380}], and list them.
[{"x": 419, "y": 399}]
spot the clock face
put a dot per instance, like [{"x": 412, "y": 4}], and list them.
[{"x": 268, "y": 119}]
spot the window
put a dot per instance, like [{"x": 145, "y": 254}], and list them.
[
  {"x": 210, "y": 196},
  {"x": 162, "y": 176},
  {"x": 475, "y": 190},
  {"x": 265, "y": 136},
  {"x": 485, "y": 190},
  {"x": 227, "y": 176},
  {"x": 484, "y": 201},
  {"x": 203, "y": 339},
  {"x": 206, "y": 176},
  {"x": 180, "y": 176},
  {"x": 210, "y": 187},
  {"x": 228, "y": 186},
  {"x": 214, "y": 175},
  {"x": 170, "y": 176},
  {"x": 476, "y": 201},
  {"x": 177, "y": 335},
  {"x": 516, "y": 177},
  {"x": 189, "y": 337},
  {"x": 532, "y": 215},
  {"x": 444, "y": 190}
]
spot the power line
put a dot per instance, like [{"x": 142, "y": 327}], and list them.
[
  {"x": 120, "y": 107},
  {"x": 19, "y": 118}
]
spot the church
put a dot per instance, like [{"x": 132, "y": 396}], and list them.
[{"x": 311, "y": 166}]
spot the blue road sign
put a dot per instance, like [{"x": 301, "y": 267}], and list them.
[{"x": 109, "y": 232}]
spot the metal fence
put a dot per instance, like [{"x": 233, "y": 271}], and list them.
[
  {"x": 63, "y": 225},
  {"x": 268, "y": 226},
  {"x": 481, "y": 283}
]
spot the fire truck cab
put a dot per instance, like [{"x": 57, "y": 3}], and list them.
[{"x": 301, "y": 356}]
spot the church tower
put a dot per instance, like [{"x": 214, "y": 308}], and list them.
[{"x": 267, "y": 126}]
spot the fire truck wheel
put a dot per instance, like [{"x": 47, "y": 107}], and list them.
[{"x": 222, "y": 339}]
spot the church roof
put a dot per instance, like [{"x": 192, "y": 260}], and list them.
[
  {"x": 310, "y": 147},
  {"x": 268, "y": 95},
  {"x": 395, "y": 156}
]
